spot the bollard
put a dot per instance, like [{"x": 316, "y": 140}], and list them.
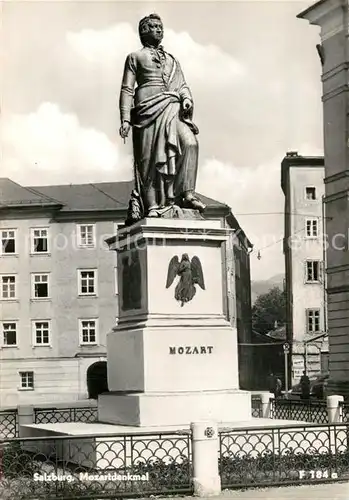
[
  {"x": 25, "y": 417},
  {"x": 207, "y": 481},
  {"x": 333, "y": 409},
  {"x": 266, "y": 404}
]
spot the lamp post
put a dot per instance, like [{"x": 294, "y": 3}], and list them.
[
  {"x": 306, "y": 357},
  {"x": 286, "y": 348}
]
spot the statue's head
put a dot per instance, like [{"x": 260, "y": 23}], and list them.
[
  {"x": 151, "y": 30},
  {"x": 185, "y": 256}
]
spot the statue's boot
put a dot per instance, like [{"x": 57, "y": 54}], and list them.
[
  {"x": 170, "y": 202},
  {"x": 193, "y": 202},
  {"x": 153, "y": 212},
  {"x": 169, "y": 189}
]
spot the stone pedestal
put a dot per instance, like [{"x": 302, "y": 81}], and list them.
[{"x": 169, "y": 362}]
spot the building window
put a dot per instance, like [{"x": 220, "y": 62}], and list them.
[
  {"x": 311, "y": 228},
  {"x": 27, "y": 380},
  {"x": 88, "y": 331},
  {"x": 8, "y": 241},
  {"x": 8, "y": 287},
  {"x": 312, "y": 271},
  {"x": 40, "y": 240},
  {"x": 310, "y": 193},
  {"x": 86, "y": 235},
  {"x": 88, "y": 282},
  {"x": 313, "y": 320},
  {"x": 9, "y": 333},
  {"x": 41, "y": 333},
  {"x": 40, "y": 286}
]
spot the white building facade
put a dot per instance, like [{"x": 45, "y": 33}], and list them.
[
  {"x": 58, "y": 286},
  {"x": 302, "y": 181}
]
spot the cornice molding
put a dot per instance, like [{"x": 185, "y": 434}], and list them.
[
  {"x": 341, "y": 89},
  {"x": 329, "y": 15},
  {"x": 337, "y": 196},
  {"x": 337, "y": 177},
  {"x": 337, "y": 269},
  {"x": 343, "y": 66}
]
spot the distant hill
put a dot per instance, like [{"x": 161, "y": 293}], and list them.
[{"x": 263, "y": 286}]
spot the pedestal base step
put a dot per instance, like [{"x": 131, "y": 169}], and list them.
[{"x": 155, "y": 409}]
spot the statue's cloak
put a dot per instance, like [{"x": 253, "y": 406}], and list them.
[{"x": 155, "y": 120}]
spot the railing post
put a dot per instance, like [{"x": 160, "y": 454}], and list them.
[
  {"x": 25, "y": 417},
  {"x": 266, "y": 398},
  {"x": 205, "y": 438},
  {"x": 333, "y": 409}
]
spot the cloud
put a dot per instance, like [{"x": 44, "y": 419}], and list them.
[
  {"x": 247, "y": 119},
  {"x": 50, "y": 145},
  {"x": 256, "y": 199},
  {"x": 205, "y": 63},
  {"x": 247, "y": 190},
  {"x": 200, "y": 63},
  {"x": 103, "y": 47}
]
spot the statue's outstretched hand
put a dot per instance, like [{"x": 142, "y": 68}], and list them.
[
  {"x": 187, "y": 105},
  {"x": 124, "y": 129}
]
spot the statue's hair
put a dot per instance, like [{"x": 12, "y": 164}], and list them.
[{"x": 143, "y": 26}]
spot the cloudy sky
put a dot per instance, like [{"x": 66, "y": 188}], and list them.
[{"x": 252, "y": 68}]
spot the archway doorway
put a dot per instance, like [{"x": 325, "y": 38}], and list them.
[{"x": 97, "y": 379}]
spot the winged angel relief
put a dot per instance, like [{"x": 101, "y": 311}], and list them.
[{"x": 190, "y": 273}]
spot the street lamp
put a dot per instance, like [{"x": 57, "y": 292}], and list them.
[{"x": 286, "y": 348}]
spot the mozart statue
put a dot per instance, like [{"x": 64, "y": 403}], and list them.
[{"x": 160, "y": 112}]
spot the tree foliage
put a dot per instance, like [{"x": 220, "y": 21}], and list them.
[{"x": 269, "y": 310}]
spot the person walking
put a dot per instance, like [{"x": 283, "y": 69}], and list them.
[
  {"x": 272, "y": 384},
  {"x": 278, "y": 387},
  {"x": 305, "y": 386}
]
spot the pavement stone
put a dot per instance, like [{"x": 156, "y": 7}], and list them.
[{"x": 329, "y": 491}]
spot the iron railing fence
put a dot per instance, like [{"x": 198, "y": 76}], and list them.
[
  {"x": 274, "y": 456},
  {"x": 8, "y": 423},
  {"x": 256, "y": 406},
  {"x": 344, "y": 411},
  {"x": 95, "y": 467},
  {"x": 306, "y": 411},
  {"x": 86, "y": 414}
]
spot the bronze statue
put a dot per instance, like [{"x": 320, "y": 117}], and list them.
[
  {"x": 160, "y": 112},
  {"x": 190, "y": 275}
]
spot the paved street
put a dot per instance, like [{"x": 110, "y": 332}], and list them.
[{"x": 335, "y": 491}]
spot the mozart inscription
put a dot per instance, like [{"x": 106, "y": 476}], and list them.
[{"x": 202, "y": 349}]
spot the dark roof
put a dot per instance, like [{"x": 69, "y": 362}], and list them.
[
  {"x": 260, "y": 338},
  {"x": 14, "y": 195},
  {"x": 98, "y": 196},
  {"x": 278, "y": 334},
  {"x": 293, "y": 159},
  {"x": 317, "y": 337},
  {"x": 101, "y": 196}
]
